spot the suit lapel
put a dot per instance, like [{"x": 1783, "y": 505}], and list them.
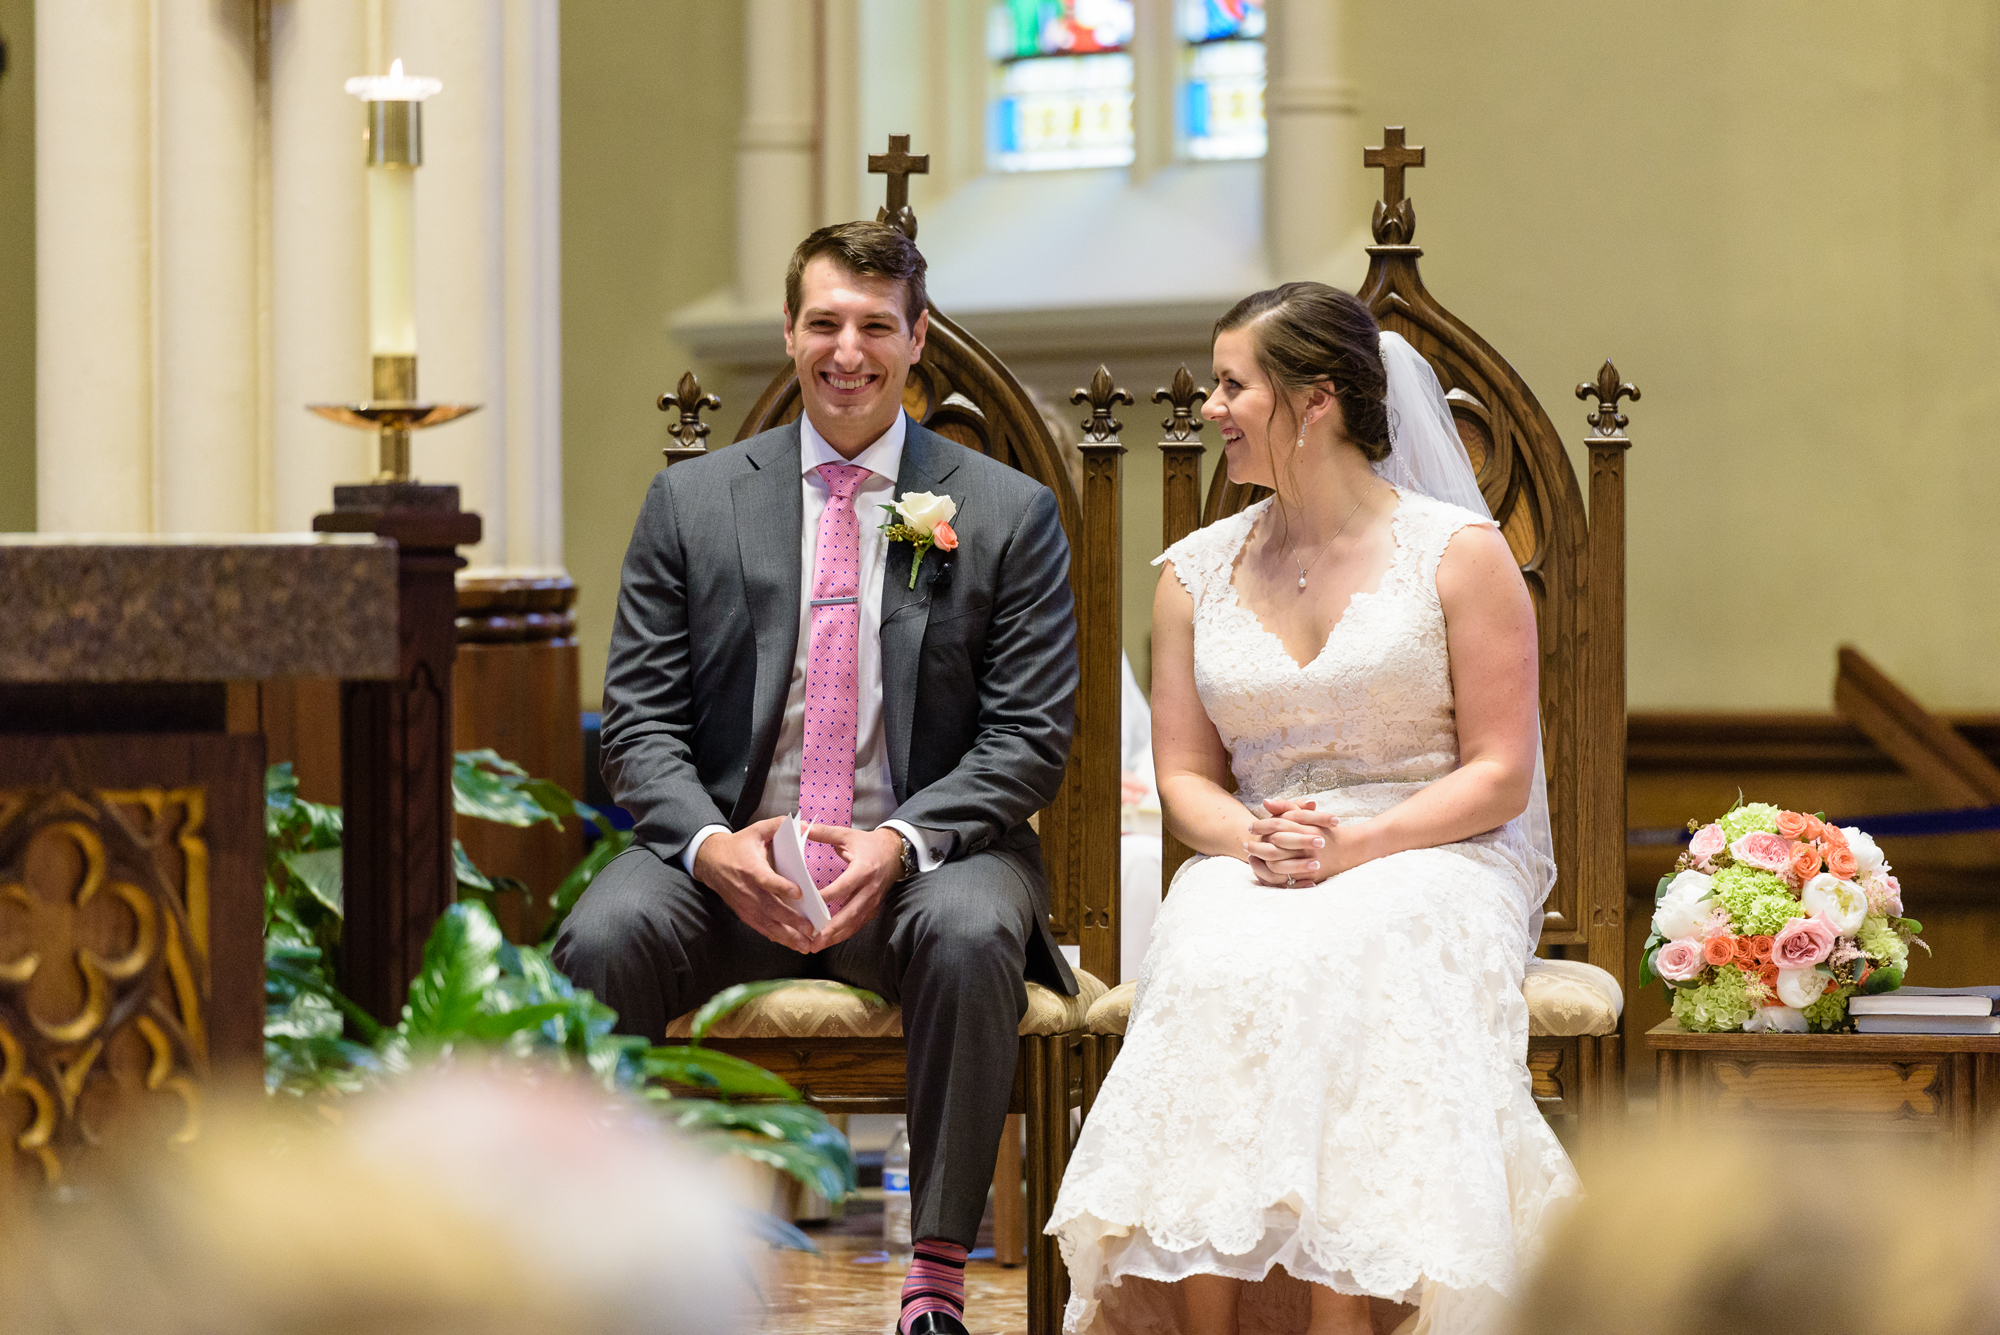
[
  {"x": 927, "y": 462},
  {"x": 770, "y": 518}
]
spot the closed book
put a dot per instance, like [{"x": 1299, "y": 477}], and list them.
[
  {"x": 1927, "y": 1001},
  {"x": 1928, "y": 1024}
]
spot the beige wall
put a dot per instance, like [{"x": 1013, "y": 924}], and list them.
[
  {"x": 1783, "y": 221},
  {"x": 17, "y": 268},
  {"x": 652, "y": 97}
]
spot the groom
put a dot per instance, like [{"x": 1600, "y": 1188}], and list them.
[{"x": 774, "y": 653}]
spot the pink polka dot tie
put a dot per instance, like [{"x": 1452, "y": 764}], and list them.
[{"x": 826, "y": 775}]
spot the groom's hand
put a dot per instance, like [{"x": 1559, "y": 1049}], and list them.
[
  {"x": 738, "y": 867},
  {"x": 874, "y": 857}
]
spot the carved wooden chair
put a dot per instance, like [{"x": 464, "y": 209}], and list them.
[
  {"x": 1575, "y": 568},
  {"x": 847, "y": 1057}
]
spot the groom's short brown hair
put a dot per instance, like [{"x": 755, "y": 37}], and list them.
[{"x": 872, "y": 248}]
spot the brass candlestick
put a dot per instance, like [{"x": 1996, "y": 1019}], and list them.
[
  {"x": 393, "y": 412},
  {"x": 393, "y": 145}
]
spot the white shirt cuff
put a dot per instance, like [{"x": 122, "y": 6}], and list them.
[
  {"x": 932, "y": 846},
  {"x": 694, "y": 844}
]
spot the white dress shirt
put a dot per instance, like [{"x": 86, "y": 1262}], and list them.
[{"x": 874, "y": 793}]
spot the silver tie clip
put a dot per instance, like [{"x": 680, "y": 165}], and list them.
[{"x": 833, "y": 602}]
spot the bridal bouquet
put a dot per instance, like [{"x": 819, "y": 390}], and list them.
[{"x": 1772, "y": 919}]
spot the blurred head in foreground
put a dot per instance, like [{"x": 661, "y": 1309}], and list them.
[
  {"x": 453, "y": 1202},
  {"x": 1728, "y": 1235}
]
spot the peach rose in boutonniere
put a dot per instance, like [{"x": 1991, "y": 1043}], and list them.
[{"x": 924, "y": 521}]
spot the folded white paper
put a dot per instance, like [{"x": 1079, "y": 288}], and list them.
[{"x": 788, "y": 851}]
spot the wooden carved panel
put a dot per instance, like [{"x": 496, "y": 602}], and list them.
[
  {"x": 1887, "y": 1090},
  {"x": 110, "y": 911},
  {"x": 103, "y": 962},
  {"x": 1551, "y": 1072}
]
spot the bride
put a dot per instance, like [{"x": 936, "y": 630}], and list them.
[{"x": 1323, "y": 1096}]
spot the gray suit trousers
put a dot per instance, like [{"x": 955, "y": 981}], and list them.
[{"x": 949, "y": 946}]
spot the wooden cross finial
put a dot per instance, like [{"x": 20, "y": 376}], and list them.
[
  {"x": 1101, "y": 428},
  {"x": 899, "y": 164},
  {"x": 689, "y": 429},
  {"x": 1606, "y": 422},
  {"x": 1185, "y": 398},
  {"x": 1395, "y": 220}
]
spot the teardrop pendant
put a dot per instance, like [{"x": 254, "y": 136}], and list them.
[{"x": 1302, "y": 579}]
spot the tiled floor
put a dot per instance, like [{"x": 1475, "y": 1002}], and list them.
[{"x": 849, "y": 1289}]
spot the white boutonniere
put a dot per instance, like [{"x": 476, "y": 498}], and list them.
[{"x": 923, "y": 521}]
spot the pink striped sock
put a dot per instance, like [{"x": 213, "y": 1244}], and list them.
[{"x": 936, "y": 1282}]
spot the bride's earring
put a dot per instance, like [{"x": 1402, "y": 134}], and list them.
[{"x": 1302, "y": 436}]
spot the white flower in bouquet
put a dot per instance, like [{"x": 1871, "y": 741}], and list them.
[
  {"x": 923, "y": 511},
  {"x": 1844, "y": 903},
  {"x": 1777, "y": 1020},
  {"x": 1684, "y": 908},
  {"x": 1800, "y": 988},
  {"x": 1868, "y": 859}
]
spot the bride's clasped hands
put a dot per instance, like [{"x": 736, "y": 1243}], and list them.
[{"x": 1297, "y": 844}]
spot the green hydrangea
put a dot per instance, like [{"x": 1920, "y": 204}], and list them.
[
  {"x": 1720, "y": 1004},
  {"x": 1758, "y": 902},
  {"x": 1750, "y": 816},
  {"x": 1830, "y": 1011},
  {"x": 1880, "y": 940}
]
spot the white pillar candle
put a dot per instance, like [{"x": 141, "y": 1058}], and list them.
[
  {"x": 392, "y": 269},
  {"x": 395, "y": 151}
]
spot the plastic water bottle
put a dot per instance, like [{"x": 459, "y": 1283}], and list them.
[{"x": 896, "y": 1197}]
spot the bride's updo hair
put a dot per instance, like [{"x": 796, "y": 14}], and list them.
[{"x": 1307, "y": 333}]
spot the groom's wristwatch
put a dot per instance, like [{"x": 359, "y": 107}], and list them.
[{"x": 909, "y": 867}]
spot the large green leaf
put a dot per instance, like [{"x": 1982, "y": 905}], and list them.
[
  {"x": 313, "y": 980},
  {"x": 319, "y": 871},
  {"x": 491, "y": 1028},
  {"x": 791, "y": 1123},
  {"x": 461, "y": 961},
  {"x": 810, "y": 1167},
  {"x": 464, "y": 872},
  {"x": 729, "y": 998},
  {"x": 487, "y": 787},
  {"x": 715, "y": 1072}
]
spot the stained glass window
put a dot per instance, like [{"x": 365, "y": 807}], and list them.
[
  {"x": 1222, "y": 78},
  {"x": 1063, "y": 76}
]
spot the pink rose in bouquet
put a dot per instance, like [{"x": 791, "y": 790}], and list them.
[
  {"x": 1885, "y": 895},
  {"x": 1803, "y": 942},
  {"x": 1679, "y": 960},
  {"x": 1764, "y": 851},
  {"x": 1707, "y": 842}
]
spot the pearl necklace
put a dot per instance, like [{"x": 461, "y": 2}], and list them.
[{"x": 1329, "y": 542}]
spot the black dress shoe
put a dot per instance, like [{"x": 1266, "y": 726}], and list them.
[{"x": 937, "y": 1323}]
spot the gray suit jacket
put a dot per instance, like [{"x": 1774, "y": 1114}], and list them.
[{"x": 979, "y": 667}]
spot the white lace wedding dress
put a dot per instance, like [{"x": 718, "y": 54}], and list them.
[{"x": 1330, "y": 1079}]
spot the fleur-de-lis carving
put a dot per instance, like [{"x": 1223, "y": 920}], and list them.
[
  {"x": 688, "y": 428},
  {"x": 1101, "y": 428},
  {"x": 1185, "y": 397},
  {"x": 1605, "y": 419}
]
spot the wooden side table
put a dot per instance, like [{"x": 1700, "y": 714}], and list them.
[{"x": 1941, "y": 1087}]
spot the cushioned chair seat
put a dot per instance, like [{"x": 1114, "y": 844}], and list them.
[
  {"x": 1566, "y": 998},
  {"x": 808, "y": 1009}
]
